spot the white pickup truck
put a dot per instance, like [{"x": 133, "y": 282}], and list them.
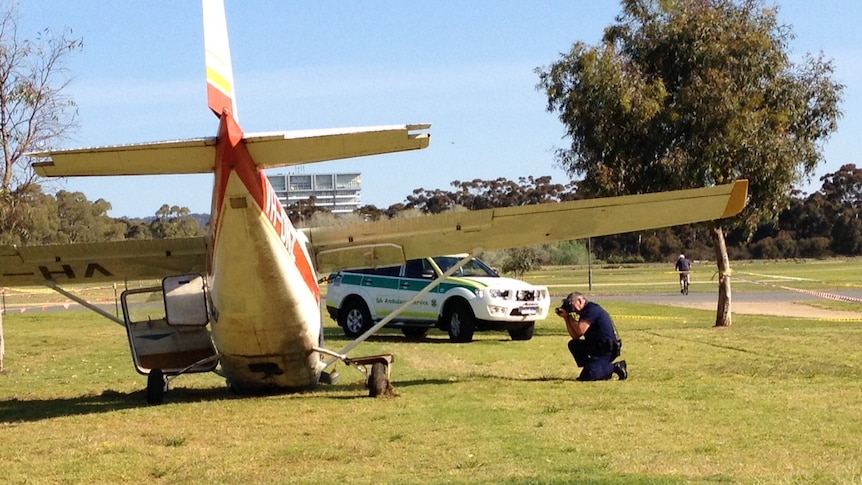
[{"x": 474, "y": 298}]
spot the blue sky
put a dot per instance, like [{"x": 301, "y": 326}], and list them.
[{"x": 467, "y": 67}]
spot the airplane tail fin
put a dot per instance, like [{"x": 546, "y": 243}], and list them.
[{"x": 220, "y": 87}]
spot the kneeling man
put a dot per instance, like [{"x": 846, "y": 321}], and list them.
[{"x": 595, "y": 343}]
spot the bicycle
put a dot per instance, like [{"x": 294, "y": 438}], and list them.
[{"x": 685, "y": 281}]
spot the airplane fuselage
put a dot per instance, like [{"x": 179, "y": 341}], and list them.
[{"x": 265, "y": 300}]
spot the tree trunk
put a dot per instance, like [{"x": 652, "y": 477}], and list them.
[
  {"x": 2, "y": 340},
  {"x": 722, "y": 313}
]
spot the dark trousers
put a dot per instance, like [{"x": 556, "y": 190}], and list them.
[{"x": 595, "y": 367}]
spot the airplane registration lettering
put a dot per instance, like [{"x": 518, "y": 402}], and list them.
[
  {"x": 277, "y": 216},
  {"x": 67, "y": 271}
]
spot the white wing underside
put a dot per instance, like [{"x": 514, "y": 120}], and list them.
[{"x": 269, "y": 150}]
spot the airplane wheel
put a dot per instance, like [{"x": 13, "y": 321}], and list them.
[
  {"x": 329, "y": 377},
  {"x": 155, "y": 386},
  {"x": 461, "y": 321},
  {"x": 378, "y": 383}
]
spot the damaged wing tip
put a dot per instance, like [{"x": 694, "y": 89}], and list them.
[{"x": 738, "y": 198}]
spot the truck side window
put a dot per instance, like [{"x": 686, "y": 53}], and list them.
[{"x": 413, "y": 268}]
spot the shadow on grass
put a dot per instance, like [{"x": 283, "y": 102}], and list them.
[{"x": 16, "y": 410}]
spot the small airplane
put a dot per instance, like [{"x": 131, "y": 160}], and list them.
[{"x": 244, "y": 301}]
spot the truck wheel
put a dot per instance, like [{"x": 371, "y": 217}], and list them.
[
  {"x": 354, "y": 318},
  {"x": 461, "y": 321},
  {"x": 414, "y": 333},
  {"x": 523, "y": 333}
]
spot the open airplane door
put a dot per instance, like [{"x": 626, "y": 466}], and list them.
[{"x": 167, "y": 330}]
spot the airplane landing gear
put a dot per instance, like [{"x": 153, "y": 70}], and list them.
[
  {"x": 156, "y": 386},
  {"x": 376, "y": 378},
  {"x": 378, "y": 381}
]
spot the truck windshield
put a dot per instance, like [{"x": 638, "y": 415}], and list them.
[{"x": 474, "y": 267}]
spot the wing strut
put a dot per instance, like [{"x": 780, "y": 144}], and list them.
[
  {"x": 51, "y": 284},
  {"x": 388, "y": 318}
]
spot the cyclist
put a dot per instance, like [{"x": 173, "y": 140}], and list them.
[{"x": 683, "y": 267}]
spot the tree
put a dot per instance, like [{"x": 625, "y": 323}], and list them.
[
  {"x": 519, "y": 260},
  {"x": 85, "y": 221},
  {"x": 842, "y": 192},
  {"x": 34, "y": 113},
  {"x": 303, "y": 210},
  {"x": 480, "y": 194},
  {"x": 174, "y": 221},
  {"x": 693, "y": 93}
]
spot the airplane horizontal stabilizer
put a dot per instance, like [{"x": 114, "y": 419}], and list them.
[
  {"x": 158, "y": 158},
  {"x": 286, "y": 148},
  {"x": 348, "y": 246},
  {"x": 102, "y": 261},
  {"x": 269, "y": 150}
]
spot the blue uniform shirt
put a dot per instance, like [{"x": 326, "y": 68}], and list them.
[{"x": 601, "y": 326}]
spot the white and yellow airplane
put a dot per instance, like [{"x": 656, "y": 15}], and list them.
[{"x": 244, "y": 301}]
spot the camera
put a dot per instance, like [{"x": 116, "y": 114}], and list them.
[{"x": 567, "y": 306}]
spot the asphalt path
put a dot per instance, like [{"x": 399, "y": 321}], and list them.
[
  {"x": 774, "y": 303},
  {"x": 768, "y": 302},
  {"x": 778, "y": 296}
]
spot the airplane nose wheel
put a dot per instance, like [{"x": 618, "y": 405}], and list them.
[
  {"x": 378, "y": 380},
  {"x": 155, "y": 386}
]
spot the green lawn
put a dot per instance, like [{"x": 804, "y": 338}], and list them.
[{"x": 768, "y": 401}]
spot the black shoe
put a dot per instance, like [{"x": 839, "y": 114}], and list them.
[
  {"x": 620, "y": 370},
  {"x": 682, "y": 290}
]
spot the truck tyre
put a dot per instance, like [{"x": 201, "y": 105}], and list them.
[
  {"x": 354, "y": 318},
  {"x": 414, "y": 333},
  {"x": 523, "y": 333},
  {"x": 460, "y": 321}
]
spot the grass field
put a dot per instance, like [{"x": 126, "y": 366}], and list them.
[{"x": 768, "y": 401}]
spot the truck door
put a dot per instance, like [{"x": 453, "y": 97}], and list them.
[{"x": 418, "y": 273}]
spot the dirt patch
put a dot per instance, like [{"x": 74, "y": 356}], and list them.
[{"x": 780, "y": 309}]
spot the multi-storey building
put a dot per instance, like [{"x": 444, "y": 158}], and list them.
[{"x": 338, "y": 192}]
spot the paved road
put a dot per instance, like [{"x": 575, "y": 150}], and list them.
[
  {"x": 773, "y": 303},
  {"x": 785, "y": 296}
]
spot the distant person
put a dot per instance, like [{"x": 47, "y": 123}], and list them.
[
  {"x": 600, "y": 345},
  {"x": 683, "y": 267}
]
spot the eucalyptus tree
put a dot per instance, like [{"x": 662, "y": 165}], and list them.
[
  {"x": 34, "y": 112},
  {"x": 691, "y": 93}
]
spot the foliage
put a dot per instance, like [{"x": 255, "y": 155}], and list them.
[
  {"x": 567, "y": 253},
  {"x": 73, "y": 411},
  {"x": 519, "y": 261},
  {"x": 302, "y": 211},
  {"x": 34, "y": 113},
  {"x": 691, "y": 94},
  {"x": 174, "y": 221},
  {"x": 483, "y": 194},
  {"x": 85, "y": 221},
  {"x": 28, "y": 216}
]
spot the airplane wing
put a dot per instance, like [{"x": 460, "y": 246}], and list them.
[
  {"x": 100, "y": 262},
  {"x": 393, "y": 241},
  {"x": 269, "y": 150}
]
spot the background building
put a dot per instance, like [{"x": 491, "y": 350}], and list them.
[{"x": 338, "y": 192}]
